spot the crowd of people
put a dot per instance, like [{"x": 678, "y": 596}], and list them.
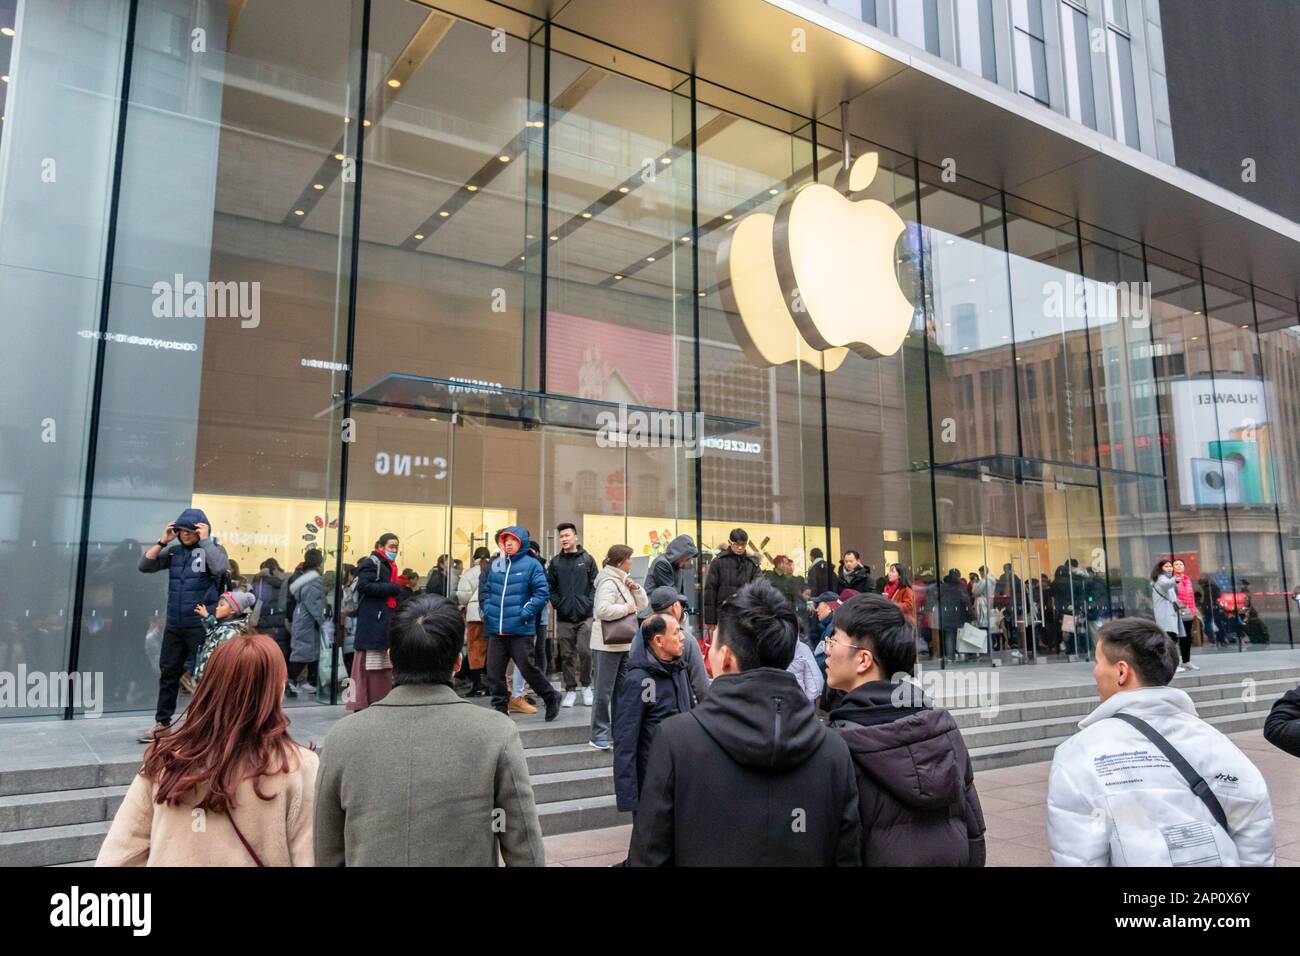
[{"x": 789, "y": 732}]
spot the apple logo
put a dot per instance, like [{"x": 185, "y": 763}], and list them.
[
  {"x": 756, "y": 308},
  {"x": 838, "y": 257}
]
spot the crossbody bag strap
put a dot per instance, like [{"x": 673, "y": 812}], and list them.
[
  {"x": 247, "y": 846},
  {"x": 1194, "y": 779}
]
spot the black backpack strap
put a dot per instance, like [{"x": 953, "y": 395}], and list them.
[{"x": 1194, "y": 779}]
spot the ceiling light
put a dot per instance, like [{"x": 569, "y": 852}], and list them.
[
  {"x": 1196, "y": 338},
  {"x": 773, "y": 191},
  {"x": 7, "y": 31},
  {"x": 622, "y": 189},
  {"x": 686, "y": 238},
  {"x": 522, "y": 258},
  {"x": 1197, "y": 312},
  {"x": 949, "y": 242},
  {"x": 472, "y": 188},
  {"x": 444, "y": 214},
  {"x": 649, "y": 258},
  {"x": 555, "y": 238},
  {"x": 618, "y": 277},
  {"x": 971, "y": 279},
  {"x": 728, "y": 216},
  {"x": 530, "y": 236},
  {"x": 504, "y": 159},
  {"x": 665, "y": 160},
  {"x": 299, "y": 212},
  {"x": 540, "y": 124},
  {"x": 1245, "y": 326},
  {"x": 586, "y": 215},
  {"x": 339, "y": 157},
  {"x": 347, "y": 119},
  {"x": 5, "y": 78},
  {"x": 394, "y": 83},
  {"x": 317, "y": 186},
  {"x": 419, "y": 235},
  {"x": 703, "y": 294},
  {"x": 365, "y": 122}
]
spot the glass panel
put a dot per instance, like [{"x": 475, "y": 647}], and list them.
[
  {"x": 918, "y": 23},
  {"x": 1242, "y": 404},
  {"x": 1031, "y": 67},
  {"x": 56, "y": 174},
  {"x": 229, "y": 246},
  {"x": 1117, "y": 13},
  {"x": 1078, "y": 65},
  {"x": 1122, "y": 93},
  {"x": 975, "y": 37},
  {"x": 1279, "y": 347},
  {"x": 864, "y": 10}
]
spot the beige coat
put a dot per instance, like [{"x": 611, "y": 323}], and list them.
[
  {"x": 612, "y": 596},
  {"x": 424, "y": 778},
  {"x": 145, "y": 833}
]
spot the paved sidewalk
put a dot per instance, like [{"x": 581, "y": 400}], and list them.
[{"x": 1015, "y": 809}]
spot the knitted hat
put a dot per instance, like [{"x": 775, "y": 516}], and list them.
[{"x": 241, "y": 601}]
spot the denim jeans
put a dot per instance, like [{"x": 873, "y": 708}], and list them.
[{"x": 608, "y": 669}]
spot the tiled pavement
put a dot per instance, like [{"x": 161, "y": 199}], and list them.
[{"x": 1015, "y": 809}]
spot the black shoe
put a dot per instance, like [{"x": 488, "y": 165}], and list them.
[{"x": 552, "y": 706}]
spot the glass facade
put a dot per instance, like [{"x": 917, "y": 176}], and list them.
[{"x": 330, "y": 269}]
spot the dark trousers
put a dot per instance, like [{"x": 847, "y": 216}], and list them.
[
  {"x": 1184, "y": 645},
  {"x": 518, "y": 648},
  {"x": 178, "y": 645}
]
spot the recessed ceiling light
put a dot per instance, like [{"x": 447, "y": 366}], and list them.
[
  {"x": 317, "y": 186},
  {"x": 586, "y": 215},
  {"x": 504, "y": 159},
  {"x": 419, "y": 235},
  {"x": 971, "y": 279},
  {"x": 703, "y": 294},
  {"x": 622, "y": 189},
  {"x": 394, "y": 83},
  {"x": 472, "y": 188},
  {"x": 686, "y": 238},
  {"x": 5, "y": 78},
  {"x": 443, "y": 213},
  {"x": 299, "y": 212},
  {"x": 365, "y": 122},
  {"x": 540, "y": 124},
  {"x": 949, "y": 242},
  {"x": 1197, "y": 312},
  {"x": 665, "y": 160},
  {"x": 339, "y": 157},
  {"x": 522, "y": 258},
  {"x": 773, "y": 191},
  {"x": 7, "y": 31},
  {"x": 1196, "y": 338},
  {"x": 347, "y": 119},
  {"x": 728, "y": 216},
  {"x": 649, "y": 258},
  {"x": 1245, "y": 326},
  {"x": 530, "y": 236},
  {"x": 555, "y": 238},
  {"x": 618, "y": 277}
]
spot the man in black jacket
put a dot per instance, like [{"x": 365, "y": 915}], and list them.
[
  {"x": 821, "y": 576},
  {"x": 750, "y": 777},
  {"x": 654, "y": 689},
  {"x": 1282, "y": 726},
  {"x": 730, "y": 571},
  {"x": 854, "y": 575},
  {"x": 571, "y": 576},
  {"x": 916, "y": 787}
]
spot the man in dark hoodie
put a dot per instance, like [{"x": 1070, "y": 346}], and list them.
[
  {"x": 916, "y": 788},
  {"x": 571, "y": 576},
  {"x": 654, "y": 689},
  {"x": 750, "y": 777},
  {"x": 671, "y": 569},
  {"x": 196, "y": 567}
]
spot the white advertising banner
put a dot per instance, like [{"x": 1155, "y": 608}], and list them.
[{"x": 1222, "y": 439}]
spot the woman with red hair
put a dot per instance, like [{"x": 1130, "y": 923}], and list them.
[{"x": 230, "y": 788}]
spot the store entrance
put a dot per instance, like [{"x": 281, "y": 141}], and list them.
[{"x": 1026, "y": 539}]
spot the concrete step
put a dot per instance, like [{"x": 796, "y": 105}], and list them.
[
  {"x": 554, "y": 734},
  {"x": 566, "y": 757},
  {"x": 588, "y": 813},
  {"x": 1264, "y": 691},
  {"x": 46, "y": 846},
  {"x": 81, "y": 776},
  {"x": 572, "y": 784},
  {"x": 32, "y": 811}
]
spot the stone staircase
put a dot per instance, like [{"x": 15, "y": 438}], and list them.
[{"x": 59, "y": 815}]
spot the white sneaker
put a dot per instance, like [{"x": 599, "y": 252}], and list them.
[
  {"x": 587, "y": 698},
  {"x": 570, "y": 698},
  {"x": 307, "y": 687},
  {"x": 1193, "y": 667},
  {"x": 1182, "y": 667}
]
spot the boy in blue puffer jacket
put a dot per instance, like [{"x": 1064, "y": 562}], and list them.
[{"x": 512, "y": 599}]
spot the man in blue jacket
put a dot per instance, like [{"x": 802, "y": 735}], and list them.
[
  {"x": 196, "y": 566},
  {"x": 512, "y": 599}
]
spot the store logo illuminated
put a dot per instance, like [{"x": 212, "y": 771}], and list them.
[
  {"x": 819, "y": 278},
  {"x": 401, "y": 466}
]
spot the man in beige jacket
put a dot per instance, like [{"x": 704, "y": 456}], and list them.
[{"x": 422, "y": 777}]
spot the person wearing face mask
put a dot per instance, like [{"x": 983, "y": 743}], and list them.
[{"x": 378, "y": 586}]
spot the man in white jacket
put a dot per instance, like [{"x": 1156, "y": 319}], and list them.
[{"x": 1115, "y": 799}]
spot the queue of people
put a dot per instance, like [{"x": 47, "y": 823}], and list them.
[{"x": 727, "y": 750}]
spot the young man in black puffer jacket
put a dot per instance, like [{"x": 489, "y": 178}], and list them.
[{"x": 916, "y": 788}]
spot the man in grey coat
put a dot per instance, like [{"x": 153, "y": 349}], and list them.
[{"x": 422, "y": 777}]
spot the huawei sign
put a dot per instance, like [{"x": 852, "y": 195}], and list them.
[{"x": 817, "y": 278}]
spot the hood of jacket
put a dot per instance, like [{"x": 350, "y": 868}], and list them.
[
  {"x": 301, "y": 581},
  {"x": 901, "y": 743},
  {"x": 1143, "y": 702},
  {"x": 761, "y": 719},
  {"x": 520, "y": 533},
  {"x": 191, "y": 517},
  {"x": 681, "y": 547}
]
